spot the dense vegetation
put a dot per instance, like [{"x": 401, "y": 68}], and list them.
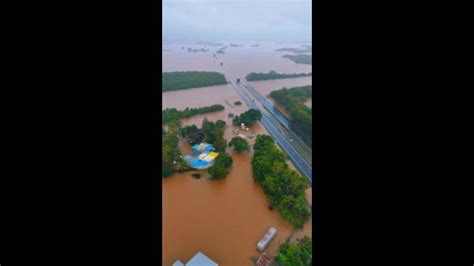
[
  {"x": 273, "y": 75},
  {"x": 239, "y": 144},
  {"x": 237, "y": 103},
  {"x": 284, "y": 186},
  {"x": 248, "y": 118},
  {"x": 173, "y": 81},
  {"x": 300, "y": 58},
  {"x": 236, "y": 45},
  {"x": 171, "y": 114},
  {"x": 297, "y": 254},
  {"x": 192, "y": 134},
  {"x": 214, "y": 134},
  {"x": 171, "y": 160},
  {"x": 220, "y": 169},
  {"x": 293, "y": 101}
]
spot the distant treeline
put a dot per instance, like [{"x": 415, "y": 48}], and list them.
[
  {"x": 293, "y": 101},
  {"x": 198, "y": 50},
  {"x": 307, "y": 49},
  {"x": 285, "y": 187},
  {"x": 255, "y": 45},
  {"x": 173, "y": 81},
  {"x": 300, "y": 58},
  {"x": 273, "y": 75},
  {"x": 171, "y": 114},
  {"x": 236, "y": 45},
  {"x": 221, "y": 51},
  {"x": 210, "y": 43}
]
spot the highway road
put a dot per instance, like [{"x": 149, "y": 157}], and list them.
[
  {"x": 277, "y": 114},
  {"x": 282, "y": 123},
  {"x": 269, "y": 123}
]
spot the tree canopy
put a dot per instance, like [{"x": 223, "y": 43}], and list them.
[
  {"x": 283, "y": 185},
  {"x": 248, "y": 118},
  {"x": 171, "y": 114},
  {"x": 300, "y": 58},
  {"x": 273, "y": 75},
  {"x": 297, "y": 254},
  {"x": 239, "y": 144},
  {"x": 173, "y": 81},
  {"x": 293, "y": 101}
]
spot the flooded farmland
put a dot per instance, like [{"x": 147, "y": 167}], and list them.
[{"x": 226, "y": 218}]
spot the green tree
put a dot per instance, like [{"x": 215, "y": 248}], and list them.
[
  {"x": 239, "y": 145},
  {"x": 248, "y": 118},
  {"x": 297, "y": 254}
]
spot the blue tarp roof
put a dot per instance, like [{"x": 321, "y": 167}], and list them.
[{"x": 198, "y": 163}]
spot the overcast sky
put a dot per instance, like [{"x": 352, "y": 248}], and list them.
[{"x": 245, "y": 20}]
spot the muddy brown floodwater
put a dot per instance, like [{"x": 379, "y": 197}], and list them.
[{"x": 224, "y": 219}]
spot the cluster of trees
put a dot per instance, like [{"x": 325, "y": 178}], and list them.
[
  {"x": 173, "y": 81},
  {"x": 299, "y": 253},
  {"x": 284, "y": 186},
  {"x": 236, "y": 45},
  {"x": 214, "y": 134},
  {"x": 221, "y": 166},
  {"x": 300, "y": 58},
  {"x": 293, "y": 101},
  {"x": 239, "y": 144},
  {"x": 171, "y": 160},
  {"x": 273, "y": 75},
  {"x": 192, "y": 134},
  {"x": 171, "y": 114},
  {"x": 237, "y": 103},
  {"x": 248, "y": 118},
  {"x": 255, "y": 45}
]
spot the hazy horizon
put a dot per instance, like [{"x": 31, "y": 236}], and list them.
[{"x": 230, "y": 20}]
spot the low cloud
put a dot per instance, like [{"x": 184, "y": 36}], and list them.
[{"x": 216, "y": 20}]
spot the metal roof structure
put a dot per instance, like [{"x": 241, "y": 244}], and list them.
[
  {"x": 178, "y": 263},
  {"x": 201, "y": 260}
]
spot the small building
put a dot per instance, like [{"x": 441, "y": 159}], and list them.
[
  {"x": 201, "y": 260},
  {"x": 178, "y": 263},
  {"x": 242, "y": 126},
  {"x": 202, "y": 156}
]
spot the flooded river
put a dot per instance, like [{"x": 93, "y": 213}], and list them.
[{"x": 223, "y": 219}]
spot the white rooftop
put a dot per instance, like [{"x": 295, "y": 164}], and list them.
[
  {"x": 201, "y": 260},
  {"x": 178, "y": 263}
]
